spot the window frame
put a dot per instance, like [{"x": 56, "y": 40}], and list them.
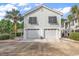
[
  {"x": 52, "y": 22},
  {"x": 33, "y": 21}
]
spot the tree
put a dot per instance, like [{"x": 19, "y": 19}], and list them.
[
  {"x": 70, "y": 18},
  {"x": 62, "y": 21},
  {"x": 9, "y": 26},
  {"x": 74, "y": 13},
  {"x": 15, "y": 16},
  {"x": 5, "y": 26},
  {"x": 2, "y": 26},
  {"x": 74, "y": 10}
]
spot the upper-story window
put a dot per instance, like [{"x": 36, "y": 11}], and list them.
[
  {"x": 32, "y": 20},
  {"x": 52, "y": 20}
]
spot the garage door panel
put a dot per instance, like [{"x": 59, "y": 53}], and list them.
[
  {"x": 33, "y": 34},
  {"x": 51, "y": 34}
]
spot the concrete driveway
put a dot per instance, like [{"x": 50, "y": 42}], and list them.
[{"x": 64, "y": 47}]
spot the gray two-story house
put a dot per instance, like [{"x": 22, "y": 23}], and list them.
[{"x": 42, "y": 22}]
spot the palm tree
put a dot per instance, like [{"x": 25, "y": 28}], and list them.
[
  {"x": 15, "y": 16},
  {"x": 74, "y": 10},
  {"x": 70, "y": 18},
  {"x": 74, "y": 13}
]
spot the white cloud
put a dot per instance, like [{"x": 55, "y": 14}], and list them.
[
  {"x": 7, "y": 7},
  {"x": 4, "y": 8},
  {"x": 27, "y": 8},
  {"x": 22, "y": 4},
  {"x": 64, "y": 10},
  {"x": 2, "y": 14},
  {"x": 13, "y": 3},
  {"x": 10, "y": 6},
  {"x": 37, "y": 4},
  {"x": 59, "y": 9}
]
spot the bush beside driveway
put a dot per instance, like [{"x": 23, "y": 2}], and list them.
[{"x": 74, "y": 36}]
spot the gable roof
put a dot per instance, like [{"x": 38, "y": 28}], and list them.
[{"x": 53, "y": 10}]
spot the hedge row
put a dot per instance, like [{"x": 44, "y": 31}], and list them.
[
  {"x": 74, "y": 36},
  {"x": 4, "y": 36},
  {"x": 19, "y": 34},
  {"x": 9, "y": 36}
]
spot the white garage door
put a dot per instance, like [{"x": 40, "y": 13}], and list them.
[
  {"x": 33, "y": 34},
  {"x": 51, "y": 33}
]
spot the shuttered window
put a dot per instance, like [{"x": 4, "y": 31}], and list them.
[
  {"x": 32, "y": 20},
  {"x": 52, "y": 20}
]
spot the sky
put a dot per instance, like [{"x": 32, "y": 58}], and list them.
[{"x": 24, "y": 7}]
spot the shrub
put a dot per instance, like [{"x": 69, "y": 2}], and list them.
[
  {"x": 19, "y": 34},
  {"x": 74, "y": 36},
  {"x": 12, "y": 36},
  {"x": 4, "y": 36}
]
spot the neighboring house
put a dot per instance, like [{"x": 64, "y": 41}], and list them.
[
  {"x": 74, "y": 25},
  {"x": 42, "y": 22},
  {"x": 66, "y": 28},
  {"x": 66, "y": 25}
]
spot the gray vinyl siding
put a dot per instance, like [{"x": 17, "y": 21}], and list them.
[{"x": 42, "y": 17}]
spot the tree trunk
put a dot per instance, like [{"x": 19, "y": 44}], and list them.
[{"x": 15, "y": 29}]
